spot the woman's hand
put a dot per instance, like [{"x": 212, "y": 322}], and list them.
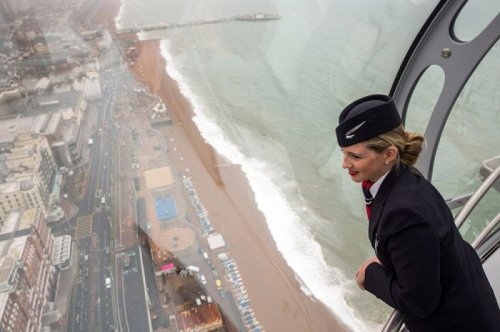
[{"x": 360, "y": 275}]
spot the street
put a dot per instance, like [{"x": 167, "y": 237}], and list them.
[{"x": 93, "y": 304}]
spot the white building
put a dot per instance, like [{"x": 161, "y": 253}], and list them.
[
  {"x": 61, "y": 252},
  {"x": 89, "y": 84}
]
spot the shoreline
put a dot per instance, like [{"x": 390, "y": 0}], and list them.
[{"x": 274, "y": 291}]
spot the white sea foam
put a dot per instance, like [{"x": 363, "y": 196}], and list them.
[
  {"x": 293, "y": 238},
  {"x": 120, "y": 15}
]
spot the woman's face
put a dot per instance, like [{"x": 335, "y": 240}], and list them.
[{"x": 365, "y": 164}]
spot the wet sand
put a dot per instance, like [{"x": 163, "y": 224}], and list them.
[{"x": 274, "y": 292}]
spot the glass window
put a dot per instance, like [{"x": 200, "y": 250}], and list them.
[
  {"x": 470, "y": 136},
  {"x": 424, "y": 99},
  {"x": 199, "y": 166},
  {"x": 481, "y": 216},
  {"x": 474, "y": 17},
  {"x": 267, "y": 96}
]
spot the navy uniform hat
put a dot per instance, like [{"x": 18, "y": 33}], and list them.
[{"x": 366, "y": 118}]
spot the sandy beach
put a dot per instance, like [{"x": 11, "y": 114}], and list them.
[{"x": 274, "y": 292}]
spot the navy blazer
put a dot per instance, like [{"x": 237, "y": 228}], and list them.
[{"x": 429, "y": 273}]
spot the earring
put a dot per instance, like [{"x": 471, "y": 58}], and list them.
[{"x": 386, "y": 162}]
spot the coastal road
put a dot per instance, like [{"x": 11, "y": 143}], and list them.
[{"x": 93, "y": 304}]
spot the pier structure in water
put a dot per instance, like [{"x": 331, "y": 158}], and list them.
[{"x": 165, "y": 26}]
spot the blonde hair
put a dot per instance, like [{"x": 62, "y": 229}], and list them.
[{"x": 409, "y": 144}]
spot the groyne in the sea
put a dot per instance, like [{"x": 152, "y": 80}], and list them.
[{"x": 164, "y": 26}]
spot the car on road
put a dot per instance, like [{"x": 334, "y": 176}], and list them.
[{"x": 107, "y": 282}]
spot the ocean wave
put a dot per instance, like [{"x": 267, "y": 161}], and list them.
[{"x": 293, "y": 238}]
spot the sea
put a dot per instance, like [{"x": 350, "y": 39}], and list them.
[{"x": 267, "y": 95}]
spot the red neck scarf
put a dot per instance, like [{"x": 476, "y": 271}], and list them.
[{"x": 366, "y": 185}]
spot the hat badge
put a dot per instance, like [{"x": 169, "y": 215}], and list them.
[{"x": 350, "y": 133}]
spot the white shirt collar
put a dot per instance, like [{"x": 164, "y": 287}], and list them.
[{"x": 376, "y": 186}]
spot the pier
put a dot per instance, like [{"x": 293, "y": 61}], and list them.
[{"x": 165, "y": 26}]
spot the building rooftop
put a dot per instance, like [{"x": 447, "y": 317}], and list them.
[
  {"x": 51, "y": 125},
  {"x": 216, "y": 241},
  {"x": 10, "y": 187},
  {"x": 18, "y": 220},
  {"x": 10, "y": 252},
  {"x": 61, "y": 250},
  {"x": 70, "y": 132},
  {"x": 16, "y": 183},
  {"x": 63, "y": 100},
  {"x": 10, "y": 128},
  {"x": 206, "y": 317},
  {"x": 45, "y": 124}
]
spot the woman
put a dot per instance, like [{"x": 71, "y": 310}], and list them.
[{"x": 423, "y": 267}]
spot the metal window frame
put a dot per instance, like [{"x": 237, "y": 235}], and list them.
[{"x": 436, "y": 44}]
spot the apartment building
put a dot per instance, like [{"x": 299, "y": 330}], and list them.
[
  {"x": 27, "y": 170},
  {"x": 27, "y": 278},
  {"x": 23, "y": 193}
]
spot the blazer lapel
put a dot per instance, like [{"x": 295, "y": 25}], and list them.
[{"x": 380, "y": 199}]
